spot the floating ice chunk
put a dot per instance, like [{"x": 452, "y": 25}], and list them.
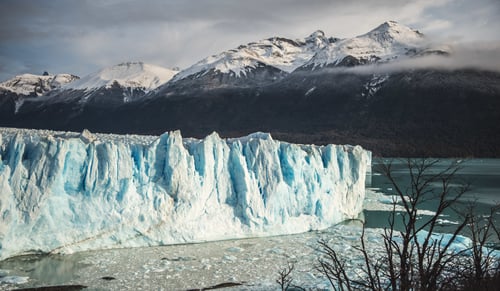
[
  {"x": 14, "y": 280},
  {"x": 230, "y": 258},
  {"x": 459, "y": 244},
  {"x": 445, "y": 221},
  {"x": 235, "y": 250}
]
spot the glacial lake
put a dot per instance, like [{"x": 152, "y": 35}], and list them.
[
  {"x": 254, "y": 263},
  {"x": 481, "y": 175}
]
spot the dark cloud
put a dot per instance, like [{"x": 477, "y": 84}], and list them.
[
  {"x": 32, "y": 16},
  {"x": 81, "y": 36}
]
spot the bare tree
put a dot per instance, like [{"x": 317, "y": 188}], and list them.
[
  {"x": 414, "y": 257},
  {"x": 285, "y": 278},
  {"x": 483, "y": 267}
]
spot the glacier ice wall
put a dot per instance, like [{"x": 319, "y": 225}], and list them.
[{"x": 66, "y": 192}]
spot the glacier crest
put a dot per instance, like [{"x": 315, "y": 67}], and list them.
[{"x": 64, "y": 192}]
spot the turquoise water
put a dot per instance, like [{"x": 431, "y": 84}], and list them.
[{"x": 482, "y": 176}]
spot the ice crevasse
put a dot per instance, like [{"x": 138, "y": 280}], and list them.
[{"x": 65, "y": 192}]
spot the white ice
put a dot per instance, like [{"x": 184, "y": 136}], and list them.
[
  {"x": 255, "y": 261},
  {"x": 66, "y": 192}
]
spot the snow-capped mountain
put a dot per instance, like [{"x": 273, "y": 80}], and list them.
[
  {"x": 15, "y": 91},
  {"x": 110, "y": 86},
  {"x": 269, "y": 85},
  {"x": 388, "y": 42},
  {"x": 135, "y": 75},
  {"x": 36, "y": 85},
  {"x": 279, "y": 53}
]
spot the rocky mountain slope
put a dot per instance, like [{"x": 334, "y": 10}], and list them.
[
  {"x": 36, "y": 85},
  {"x": 136, "y": 75},
  {"x": 108, "y": 87},
  {"x": 313, "y": 90},
  {"x": 13, "y": 92}
]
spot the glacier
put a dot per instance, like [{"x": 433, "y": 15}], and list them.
[{"x": 62, "y": 192}]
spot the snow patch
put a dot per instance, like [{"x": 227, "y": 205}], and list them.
[
  {"x": 19, "y": 102},
  {"x": 310, "y": 91},
  {"x": 375, "y": 83}
]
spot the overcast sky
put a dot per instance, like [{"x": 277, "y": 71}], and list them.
[{"x": 83, "y": 36}]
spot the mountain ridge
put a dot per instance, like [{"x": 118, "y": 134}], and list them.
[
  {"x": 128, "y": 74},
  {"x": 36, "y": 85},
  {"x": 278, "y": 54},
  {"x": 404, "y": 111}
]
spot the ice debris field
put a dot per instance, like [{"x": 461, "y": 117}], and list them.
[
  {"x": 65, "y": 192},
  {"x": 254, "y": 262}
]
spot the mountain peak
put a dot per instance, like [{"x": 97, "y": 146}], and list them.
[
  {"x": 36, "y": 85},
  {"x": 317, "y": 34},
  {"x": 389, "y": 23},
  {"x": 128, "y": 74},
  {"x": 276, "y": 53},
  {"x": 392, "y": 31},
  {"x": 387, "y": 42},
  {"x": 317, "y": 39},
  {"x": 388, "y": 26}
]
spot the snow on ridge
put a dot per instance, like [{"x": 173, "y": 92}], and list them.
[
  {"x": 392, "y": 31},
  {"x": 66, "y": 192},
  {"x": 281, "y": 53},
  {"x": 130, "y": 75},
  {"x": 388, "y": 42},
  {"x": 30, "y": 84}
]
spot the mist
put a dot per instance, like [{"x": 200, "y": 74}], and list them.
[{"x": 484, "y": 56}]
